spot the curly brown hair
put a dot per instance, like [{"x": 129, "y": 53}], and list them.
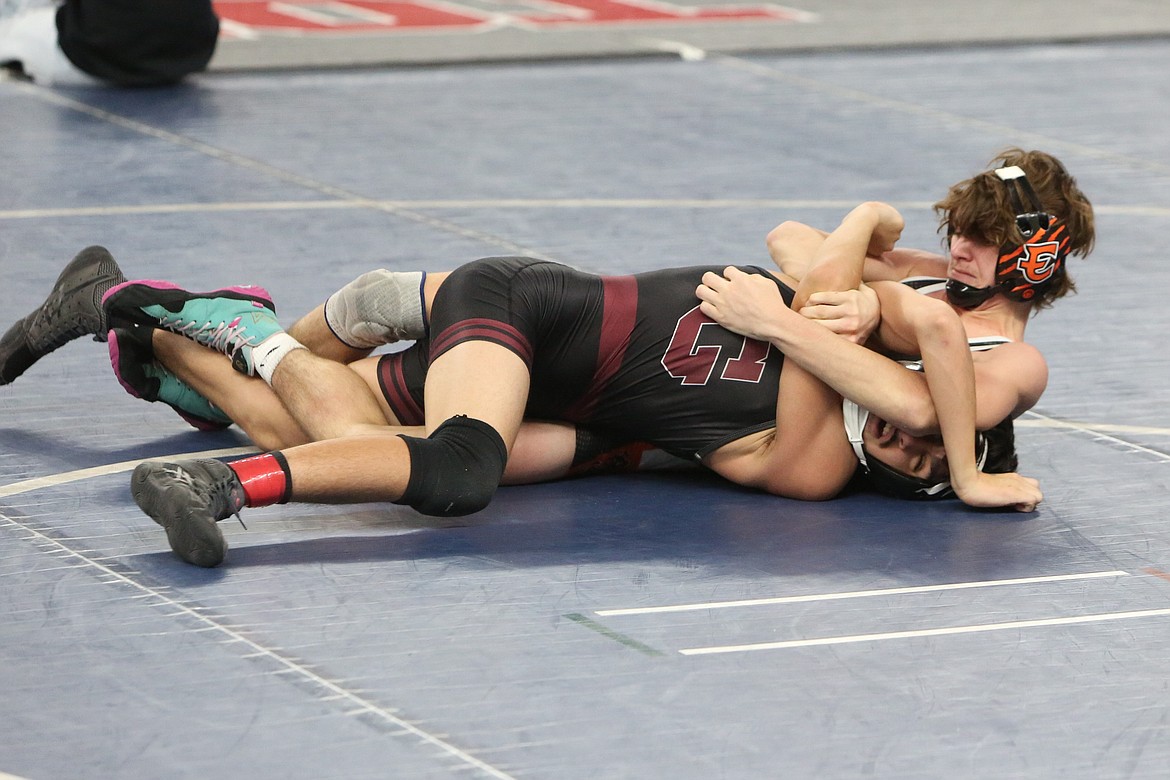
[{"x": 981, "y": 209}]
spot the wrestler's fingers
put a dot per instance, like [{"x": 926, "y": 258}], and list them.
[
  {"x": 1036, "y": 495},
  {"x": 821, "y": 312},
  {"x": 713, "y": 280},
  {"x": 826, "y": 298}
]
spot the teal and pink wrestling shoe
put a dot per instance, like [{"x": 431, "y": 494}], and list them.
[
  {"x": 232, "y": 320},
  {"x": 132, "y": 356}
]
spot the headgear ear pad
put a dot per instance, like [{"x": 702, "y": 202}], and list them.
[{"x": 1023, "y": 270}]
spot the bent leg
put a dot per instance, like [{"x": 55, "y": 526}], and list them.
[
  {"x": 381, "y": 307},
  {"x": 327, "y": 399},
  {"x": 485, "y": 383},
  {"x": 248, "y": 401},
  {"x": 315, "y": 334},
  {"x": 475, "y": 398}
]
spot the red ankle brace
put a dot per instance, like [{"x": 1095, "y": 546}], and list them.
[{"x": 266, "y": 479}]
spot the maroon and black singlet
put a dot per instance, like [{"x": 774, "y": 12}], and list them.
[{"x": 628, "y": 355}]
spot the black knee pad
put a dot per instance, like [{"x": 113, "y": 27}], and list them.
[{"x": 455, "y": 471}]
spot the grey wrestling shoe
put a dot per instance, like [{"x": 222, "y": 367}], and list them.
[
  {"x": 188, "y": 498},
  {"x": 73, "y": 309}
]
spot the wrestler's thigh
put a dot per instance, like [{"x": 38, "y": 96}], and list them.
[
  {"x": 367, "y": 369},
  {"x": 482, "y": 380}
]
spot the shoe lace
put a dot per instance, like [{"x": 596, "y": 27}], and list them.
[
  {"x": 47, "y": 322},
  {"x": 223, "y": 491},
  {"x": 227, "y": 337},
  {"x": 229, "y": 484}
]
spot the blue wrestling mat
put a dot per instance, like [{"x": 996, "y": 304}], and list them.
[{"x": 651, "y": 626}]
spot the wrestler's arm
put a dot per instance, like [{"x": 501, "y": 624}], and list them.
[
  {"x": 938, "y": 336},
  {"x": 1009, "y": 379},
  {"x": 851, "y": 309},
  {"x": 855, "y": 371},
  {"x": 947, "y": 360},
  {"x": 903, "y": 397},
  {"x": 935, "y": 331},
  {"x": 838, "y": 260},
  {"x": 902, "y": 263},
  {"x": 806, "y": 456},
  {"x": 932, "y": 326},
  {"x": 751, "y": 305},
  {"x": 792, "y": 246}
]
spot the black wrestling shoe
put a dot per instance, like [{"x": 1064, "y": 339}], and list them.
[
  {"x": 188, "y": 498},
  {"x": 73, "y": 309}
]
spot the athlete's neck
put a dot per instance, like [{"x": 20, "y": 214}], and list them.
[{"x": 997, "y": 316}]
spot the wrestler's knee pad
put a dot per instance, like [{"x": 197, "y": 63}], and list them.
[
  {"x": 455, "y": 471},
  {"x": 379, "y": 307}
]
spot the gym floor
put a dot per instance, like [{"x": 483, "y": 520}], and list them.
[{"x": 665, "y": 626}]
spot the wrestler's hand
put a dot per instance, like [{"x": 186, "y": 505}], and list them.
[
  {"x": 996, "y": 490},
  {"x": 748, "y": 304},
  {"x": 888, "y": 230},
  {"x": 854, "y": 314}
]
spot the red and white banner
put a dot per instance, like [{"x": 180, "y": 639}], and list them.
[{"x": 247, "y": 18}]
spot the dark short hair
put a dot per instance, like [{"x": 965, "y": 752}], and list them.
[{"x": 1001, "y": 448}]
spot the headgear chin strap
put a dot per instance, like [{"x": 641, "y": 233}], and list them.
[
  {"x": 1022, "y": 270},
  {"x": 888, "y": 480}
]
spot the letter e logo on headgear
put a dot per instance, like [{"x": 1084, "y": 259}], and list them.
[{"x": 1038, "y": 262}]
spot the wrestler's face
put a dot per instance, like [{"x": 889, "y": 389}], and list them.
[
  {"x": 918, "y": 456},
  {"x": 972, "y": 262}
]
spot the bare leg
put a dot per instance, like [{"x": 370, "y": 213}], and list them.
[
  {"x": 542, "y": 451},
  {"x": 326, "y": 398},
  {"x": 250, "y": 403},
  {"x": 327, "y": 401},
  {"x": 355, "y": 469},
  {"x": 484, "y": 381},
  {"x": 481, "y": 380},
  {"x": 314, "y": 332}
]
